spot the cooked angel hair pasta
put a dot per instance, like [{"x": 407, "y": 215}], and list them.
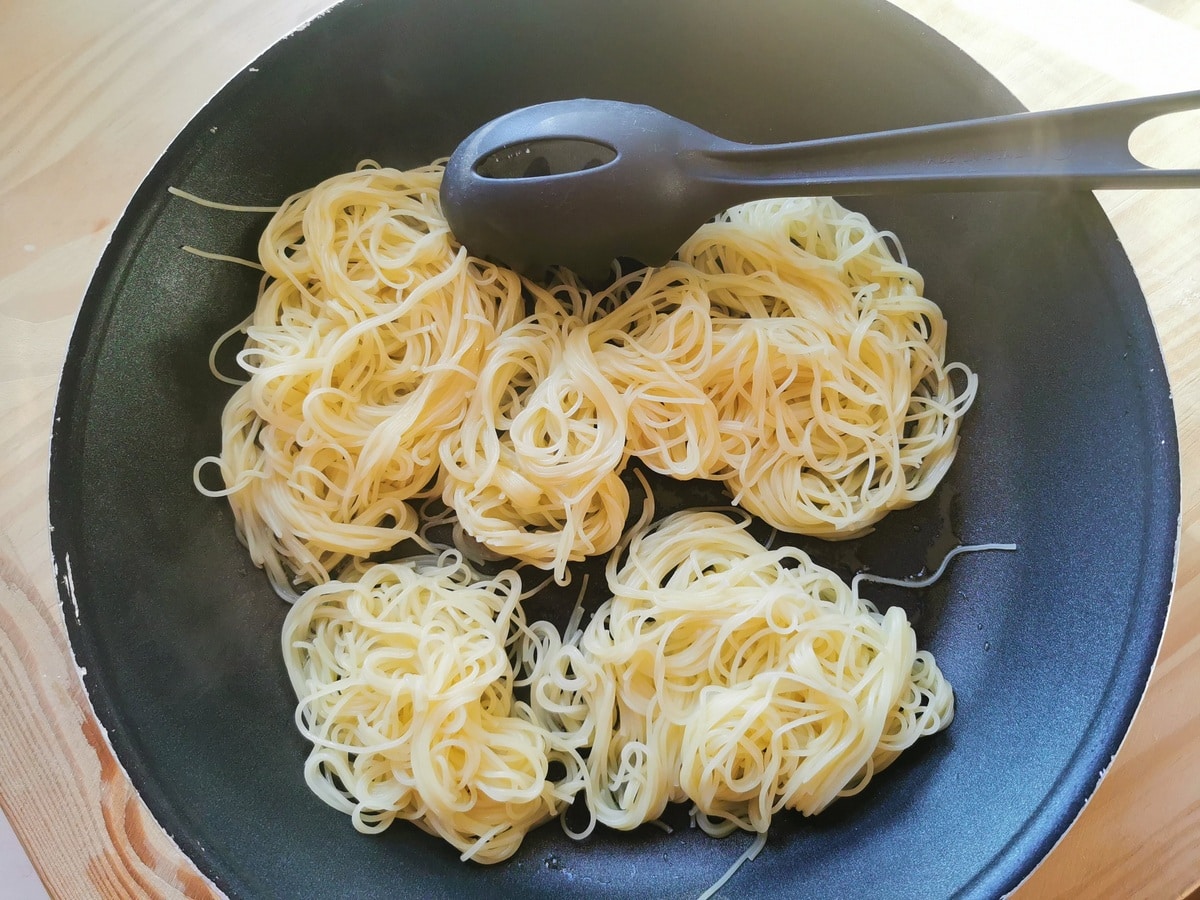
[
  {"x": 828, "y": 369},
  {"x": 740, "y": 679},
  {"x": 370, "y": 329},
  {"x": 786, "y": 353},
  {"x": 532, "y": 471},
  {"x": 406, "y": 693}
]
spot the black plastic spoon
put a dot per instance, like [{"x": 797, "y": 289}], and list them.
[{"x": 581, "y": 182}]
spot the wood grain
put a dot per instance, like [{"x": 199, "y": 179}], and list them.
[{"x": 92, "y": 94}]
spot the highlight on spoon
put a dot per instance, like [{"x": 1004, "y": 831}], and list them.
[{"x": 544, "y": 157}]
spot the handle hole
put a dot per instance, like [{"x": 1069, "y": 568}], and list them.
[{"x": 1170, "y": 141}]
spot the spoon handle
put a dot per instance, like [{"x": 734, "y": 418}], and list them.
[{"x": 1082, "y": 148}]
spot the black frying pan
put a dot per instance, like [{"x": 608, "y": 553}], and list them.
[{"x": 1070, "y": 452}]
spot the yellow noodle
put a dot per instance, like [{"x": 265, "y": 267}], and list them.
[
  {"x": 828, "y": 371},
  {"x": 367, "y": 336},
  {"x": 739, "y": 679},
  {"x": 656, "y": 349},
  {"x": 405, "y": 691},
  {"x": 213, "y": 204},
  {"x": 532, "y": 472},
  {"x": 221, "y": 257},
  {"x": 788, "y": 352}
]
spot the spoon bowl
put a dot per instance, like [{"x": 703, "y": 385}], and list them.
[{"x": 577, "y": 183}]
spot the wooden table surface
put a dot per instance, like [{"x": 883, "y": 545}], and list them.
[{"x": 92, "y": 91}]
